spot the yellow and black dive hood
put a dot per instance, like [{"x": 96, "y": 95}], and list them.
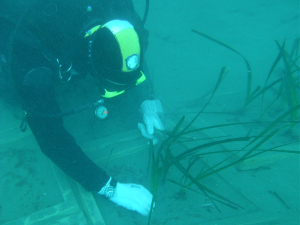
[{"x": 115, "y": 56}]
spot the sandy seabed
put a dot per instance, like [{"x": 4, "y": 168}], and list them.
[{"x": 184, "y": 68}]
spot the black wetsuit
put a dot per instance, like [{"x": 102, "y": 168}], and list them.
[{"x": 39, "y": 33}]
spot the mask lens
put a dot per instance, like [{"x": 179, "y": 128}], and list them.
[{"x": 132, "y": 62}]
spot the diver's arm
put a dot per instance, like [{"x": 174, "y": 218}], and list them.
[
  {"x": 56, "y": 143},
  {"x": 53, "y": 139}
]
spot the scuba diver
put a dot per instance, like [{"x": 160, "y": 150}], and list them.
[{"x": 44, "y": 42}]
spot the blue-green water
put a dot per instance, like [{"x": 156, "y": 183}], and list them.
[{"x": 184, "y": 69}]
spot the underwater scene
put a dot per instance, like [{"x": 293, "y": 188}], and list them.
[{"x": 227, "y": 74}]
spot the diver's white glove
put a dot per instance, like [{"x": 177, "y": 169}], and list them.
[
  {"x": 133, "y": 197},
  {"x": 150, "y": 110}
]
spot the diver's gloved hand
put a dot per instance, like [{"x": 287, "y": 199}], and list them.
[
  {"x": 143, "y": 129},
  {"x": 150, "y": 110},
  {"x": 133, "y": 197}
]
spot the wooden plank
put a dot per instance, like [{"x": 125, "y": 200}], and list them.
[
  {"x": 115, "y": 146},
  {"x": 23, "y": 169},
  {"x": 67, "y": 210},
  {"x": 87, "y": 204}
]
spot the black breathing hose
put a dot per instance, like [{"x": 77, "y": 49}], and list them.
[{"x": 145, "y": 13}]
